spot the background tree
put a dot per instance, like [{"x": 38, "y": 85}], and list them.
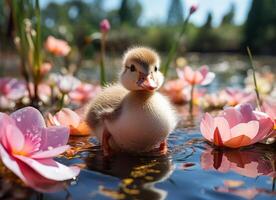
[
  {"x": 260, "y": 26},
  {"x": 129, "y": 12},
  {"x": 206, "y": 39},
  {"x": 175, "y": 13},
  {"x": 228, "y": 18}
]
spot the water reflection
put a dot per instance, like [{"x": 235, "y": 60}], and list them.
[
  {"x": 138, "y": 175},
  {"x": 251, "y": 162}
]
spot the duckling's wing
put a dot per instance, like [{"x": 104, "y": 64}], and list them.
[{"x": 106, "y": 105}]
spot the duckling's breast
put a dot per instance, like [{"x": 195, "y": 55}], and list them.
[{"x": 145, "y": 121}]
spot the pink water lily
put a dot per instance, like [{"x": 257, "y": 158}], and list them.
[
  {"x": 67, "y": 83},
  {"x": 11, "y": 90},
  {"x": 174, "y": 89},
  {"x": 44, "y": 91},
  {"x": 57, "y": 47},
  {"x": 237, "y": 96},
  {"x": 214, "y": 100},
  {"x": 236, "y": 127},
  {"x": 178, "y": 91},
  {"x": 69, "y": 118},
  {"x": 84, "y": 92},
  {"x": 27, "y": 148},
  {"x": 104, "y": 26},
  {"x": 201, "y": 76}
]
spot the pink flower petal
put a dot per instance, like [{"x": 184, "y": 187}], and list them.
[
  {"x": 59, "y": 173},
  {"x": 28, "y": 120},
  {"x": 247, "y": 112},
  {"x": 15, "y": 139},
  {"x": 11, "y": 163},
  {"x": 223, "y": 127},
  {"x": 50, "y": 153},
  {"x": 217, "y": 138},
  {"x": 197, "y": 78},
  {"x": 189, "y": 74},
  {"x": 48, "y": 161},
  {"x": 208, "y": 78},
  {"x": 38, "y": 182},
  {"x": 204, "y": 70},
  {"x": 207, "y": 126},
  {"x": 238, "y": 141},
  {"x": 53, "y": 137},
  {"x": 68, "y": 117},
  {"x": 232, "y": 116},
  {"x": 4, "y": 121},
  {"x": 269, "y": 107},
  {"x": 249, "y": 129},
  {"x": 265, "y": 130}
]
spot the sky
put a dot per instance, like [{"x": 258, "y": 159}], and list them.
[{"x": 156, "y": 10}]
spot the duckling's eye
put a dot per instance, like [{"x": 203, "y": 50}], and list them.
[
  {"x": 132, "y": 68},
  {"x": 155, "y": 68}
]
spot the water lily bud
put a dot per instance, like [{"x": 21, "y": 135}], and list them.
[
  {"x": 193, "y": 8},
  {"x": 105, "y": 26}
]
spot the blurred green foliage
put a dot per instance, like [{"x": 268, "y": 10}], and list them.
[
  {"x": 175, "y": 13},
  {"x": 260, "y": 27},
  {"x": 76, "y": 21}
]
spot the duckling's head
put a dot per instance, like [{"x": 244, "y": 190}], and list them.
[{"x": 141, "y": 70}]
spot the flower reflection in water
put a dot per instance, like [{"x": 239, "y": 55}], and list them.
[{"x": 250, "y": 162}]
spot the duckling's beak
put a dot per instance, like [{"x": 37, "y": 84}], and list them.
[{"x": 146, "y": 81}]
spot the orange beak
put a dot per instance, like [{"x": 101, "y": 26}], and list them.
[{"x": 147, "y": 82}]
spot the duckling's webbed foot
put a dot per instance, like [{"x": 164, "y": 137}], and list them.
[
  {"x": 163, "y": 148},
  {"x": 105, "y": 143}
]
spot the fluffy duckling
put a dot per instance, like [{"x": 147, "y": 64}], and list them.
[{"x": 131, "y": 116}]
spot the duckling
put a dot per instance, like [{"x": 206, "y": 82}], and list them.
[{"x": 131, "y": 116}]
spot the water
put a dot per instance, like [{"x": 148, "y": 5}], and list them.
[{"x": 193, "y": 169}]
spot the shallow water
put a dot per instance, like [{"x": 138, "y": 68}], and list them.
[{"x": 193, "y": 169}]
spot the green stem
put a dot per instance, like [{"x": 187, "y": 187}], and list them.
[
  {"x": 61, "y": 102},
  {"x": 37, "y": 46},
  {"x": 259, "y": 102},
  {"x": 191, "y": 103},
  {"x": 102, "y": 66},
  {"x": 18, "y": 17},
  {"x": 174, "y": 47}
]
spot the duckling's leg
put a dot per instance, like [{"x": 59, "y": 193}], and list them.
[
  {"x": 163, "y": 148},
  {"x": 105, "y": 142}
]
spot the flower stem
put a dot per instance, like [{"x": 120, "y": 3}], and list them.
[
  {"x": 259, "y": 102},
  {"x": 102, "y": 67},
  {"x": 22, "y": 46},
  {"x": 174, "y": 47},
  {"x": 191, "y": 103},
  {"x": 37, "y": 48},
  {"x": 61, "y": 102}
]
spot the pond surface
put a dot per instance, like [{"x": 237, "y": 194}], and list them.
[{"x": 193, "y": 169}]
